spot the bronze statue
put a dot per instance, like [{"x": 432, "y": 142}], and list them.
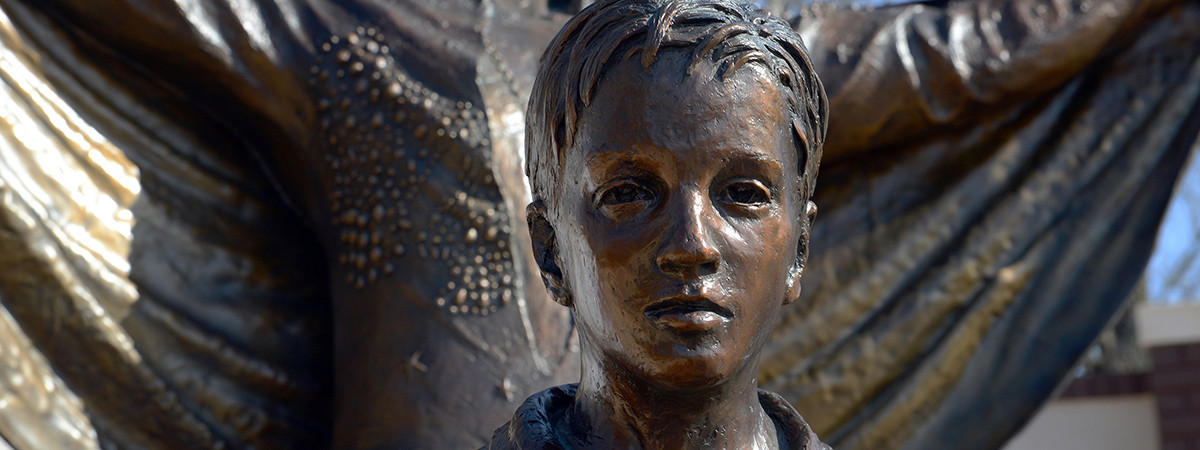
[
  {"x": 673, "y": 149},
  {"x": 289, "y": 223}
]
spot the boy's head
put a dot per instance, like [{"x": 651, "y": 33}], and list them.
[
  {"x": 673, "y": 149},
  {"x": 727, "y": 33}
]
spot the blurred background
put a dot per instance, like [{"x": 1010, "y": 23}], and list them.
[{"x": 1139, "y": 385}]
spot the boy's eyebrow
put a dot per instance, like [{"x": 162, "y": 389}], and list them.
[
  {"x": 604, "y": 154},
  {"x": 756, "y": 160},
  {"x": 756, "y": 156},
  {"x": 607, "y": 154}
]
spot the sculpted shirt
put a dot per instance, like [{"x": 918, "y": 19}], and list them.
[{"x": 535, "y": 423}]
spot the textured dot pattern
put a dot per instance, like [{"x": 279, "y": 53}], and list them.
[{"x": 412, "y": 177}]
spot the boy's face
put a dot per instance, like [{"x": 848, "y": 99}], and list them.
[{"x": 678, "y": 221}]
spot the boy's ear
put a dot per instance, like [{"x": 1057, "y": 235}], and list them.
[
  {"x": 793, "y": 282},
  {"x": 545, "y": 250}
]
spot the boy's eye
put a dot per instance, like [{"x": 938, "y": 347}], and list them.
[
  {"x": 746, "y": 193},
  {"x": 623, "y": 198}
]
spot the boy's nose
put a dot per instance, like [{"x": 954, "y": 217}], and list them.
[{"x": 689, "y": 251}]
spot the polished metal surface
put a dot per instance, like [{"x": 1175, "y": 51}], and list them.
[{"x": 66, "y": 193}]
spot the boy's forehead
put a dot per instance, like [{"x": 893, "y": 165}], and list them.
[
  {"x": 677, "y": 107},
  {"x": 690, "y": 123}
]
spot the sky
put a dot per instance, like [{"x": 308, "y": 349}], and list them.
[{"x": 1178, "y": 244}]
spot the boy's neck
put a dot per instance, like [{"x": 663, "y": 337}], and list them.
[{"x": 618, "y": 410}]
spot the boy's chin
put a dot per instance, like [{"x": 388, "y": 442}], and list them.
[{"x": 694, "y": 370}]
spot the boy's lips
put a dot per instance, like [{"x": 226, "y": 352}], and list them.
[{"x": 687, "y": 314}]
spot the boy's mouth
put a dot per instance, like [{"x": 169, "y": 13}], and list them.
[{"x": 683, "y": 314}]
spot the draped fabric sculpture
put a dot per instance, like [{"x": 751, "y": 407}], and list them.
[{"x": 298, "y": 222}]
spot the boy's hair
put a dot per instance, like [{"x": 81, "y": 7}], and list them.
[{"x": 728, "y": 33}]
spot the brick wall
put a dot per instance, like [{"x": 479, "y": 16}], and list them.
[
  {"x": 1099, "y": 385},
  {"x": 1175, "y": 382}
]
